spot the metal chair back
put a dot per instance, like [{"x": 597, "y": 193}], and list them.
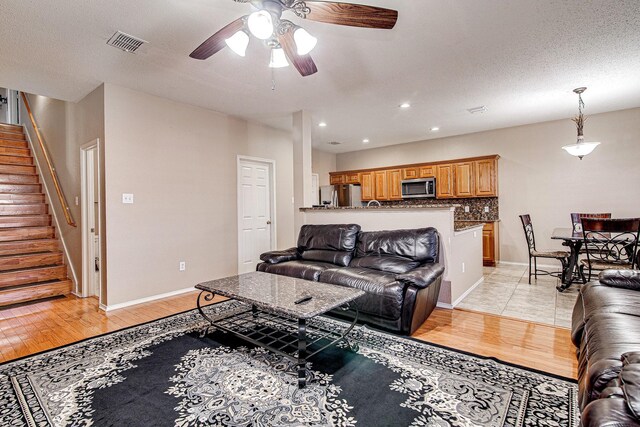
[
  {"x": 611, "y": 241},
  {"x": 528, "y": 232},
  {"x": 577, "y": 217}
]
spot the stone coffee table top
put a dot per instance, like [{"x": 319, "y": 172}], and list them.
[{"x": 279, "y": 293}]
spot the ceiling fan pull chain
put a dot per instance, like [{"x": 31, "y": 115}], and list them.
[{"x": 273, "y": 79}]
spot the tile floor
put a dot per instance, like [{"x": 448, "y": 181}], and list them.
[{"x": 506, "y": 291}]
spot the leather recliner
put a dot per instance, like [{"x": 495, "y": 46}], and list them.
[
  {"x": 398, "y": 270},
  {"x": 606, "y": 332}
]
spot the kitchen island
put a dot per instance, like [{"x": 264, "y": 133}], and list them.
[{"x": 461, "y": 251}]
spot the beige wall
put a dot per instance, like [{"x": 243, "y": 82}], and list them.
[
  {"x": 322, "y": 163},
  {"x": 179, "y": 161},
  {"x": 535, "y": 175},
  {"x": 65, "y": 127}
]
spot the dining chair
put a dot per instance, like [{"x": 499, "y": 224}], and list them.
[
  {"x": 534, "y": 254},
  {"x": 609, "y": 244},
  {"x": 576, "y": 219}
]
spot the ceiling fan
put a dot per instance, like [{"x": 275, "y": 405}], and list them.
[{"x": 286, "y": 39}]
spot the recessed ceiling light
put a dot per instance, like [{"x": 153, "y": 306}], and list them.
[
  {"x": 405, "y": 105},
  {"x": 365, "y": 141},
  {"x": 322, "y": 124},
  {"x": 435, "y": 129},
  {"x": 480, "y": 109}
]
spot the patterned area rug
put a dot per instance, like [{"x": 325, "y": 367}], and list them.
[{"x": 168, "y": 373}]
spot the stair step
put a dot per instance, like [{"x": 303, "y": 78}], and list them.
[
  {"x": 34, "y": 292},
  {"x": 28, "y": 233},
  {"x": 10, "y": 128},
  {"x": 12, "y": 135},
  {"x": 21, "y": 199},
  {"x": 9, "y": 178},
  {"x": 15, "y": 262},
  {"x": 15, "y": 221},
  {"x": 20, "y": 188},
  {"x": 16, "y": 160},
  {"x": 14, "y": 151},
  {"x": 32, "y": 275},
  {"x": 28, "y": 246},
  {"x": 24, "y": 209},
  {"x": 17, "y": 169},
  {"x": 14, "y": 143}
]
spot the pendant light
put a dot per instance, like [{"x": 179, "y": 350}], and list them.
[{"x": 580, "y": 148}]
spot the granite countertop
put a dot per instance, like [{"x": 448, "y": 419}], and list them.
[
  {"x": 383, "y": 207},
  {"x": 468, "y": 224}
]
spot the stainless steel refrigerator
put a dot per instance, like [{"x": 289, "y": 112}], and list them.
[{"x": 341, "y": 195}]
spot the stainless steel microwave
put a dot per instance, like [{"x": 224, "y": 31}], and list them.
[{"x": 421, "y": 188}]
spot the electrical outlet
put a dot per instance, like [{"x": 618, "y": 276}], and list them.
[
  {"x": 183, "y": 266},
  {"x": 127, "y": 198},
  {"x": 486, "y": 209},
  {"x": 463, "y": 267},
  {"x": 77, "y": 200},
  {"x": 466, "y": 209}
]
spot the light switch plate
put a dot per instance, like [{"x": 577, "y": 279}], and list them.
[
  {"x": 182, "y": 266},
  {"x": 127, "y": 198}
]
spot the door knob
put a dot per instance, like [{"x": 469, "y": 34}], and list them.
[{"x": 268, "y": 222}]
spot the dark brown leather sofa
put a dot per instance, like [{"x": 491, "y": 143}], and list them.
[
  {"x": 606, "y": 332},
  {"x": 398, "y": 270}
]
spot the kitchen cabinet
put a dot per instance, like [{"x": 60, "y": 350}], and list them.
[
  {"x": 380, "y": 185},
  {"x": 490, "y": 244},
  {"x": 352, "y": 178},
  {"x": 410, "y": 173},
  {"x": 427, "y": 171},
  {"x": 394, "y": 184},
  {"x": 444, "y": 182},
  {"x": 486, "y": 177},
  {"x": 367, "y": 186},
  {"x": 464, "y": 179},
  {"x": 336, "y": 179}
]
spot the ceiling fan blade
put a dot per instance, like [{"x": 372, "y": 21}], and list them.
[
  {"x": 303, "y": 63},
  {"x": 216, "y": 43},
  {"x": 354, "y": 15}
]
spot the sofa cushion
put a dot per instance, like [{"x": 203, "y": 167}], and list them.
[
  {"x": 321, "y": 242},
  {"x": 308, "y": 270},
  {"x": 384, "y": 294},
  {"x": 390, "y": 263},
  {"x": 626, "y": 279},
  {"x": 419, "y": 245}
]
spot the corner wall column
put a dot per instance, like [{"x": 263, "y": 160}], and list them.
[{"x": 301, "y": 165}]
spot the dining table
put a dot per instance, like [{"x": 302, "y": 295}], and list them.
[{"x": 573, "y": 239}]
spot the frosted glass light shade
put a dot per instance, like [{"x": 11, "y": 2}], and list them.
[
  {"x": 278, "y": 58},
  {"x": 238, "y": 42},
  {"x": 260, "y": 24},
  {"x": 581, "y": 148},
  {"x": 305, "y": 42}
]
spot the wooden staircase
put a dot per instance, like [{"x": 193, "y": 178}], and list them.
[{"x": 31, "y": 264}]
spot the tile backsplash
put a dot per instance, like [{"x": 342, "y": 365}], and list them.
[{"x": 476, "y": 207}]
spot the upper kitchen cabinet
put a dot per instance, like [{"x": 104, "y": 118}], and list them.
[
  {"x": 444, "y": 181},
  {"x": 410, "y": 173},
  {"x": 486, "y": 177},
  {"x": 352, "y": 178},
  {"x": 427, "y": 171},
  {"x": 464, "y": 178},
  {"x": 336, "y": 178},
  {"x": 367, "y": 186},
  {"x": 394, "y": 184},
  {"x": 380, "y": 191}
]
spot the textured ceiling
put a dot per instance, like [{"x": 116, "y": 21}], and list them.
[{"x": 519, "y": 58}]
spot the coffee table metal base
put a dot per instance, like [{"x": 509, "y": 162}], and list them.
[{"x": 284, "y": 335}]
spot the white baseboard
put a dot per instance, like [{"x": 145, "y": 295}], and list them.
[
  {"x": 467, "y": 292},
  {"x": 444, "y": 305},
  {"x": 146, "y": 299},
  {"x": 526, "y": 264}
]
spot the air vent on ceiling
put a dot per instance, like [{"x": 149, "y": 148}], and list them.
[
  {"x": 125, "y": 42},
  {"x": 334, "y": 143}
]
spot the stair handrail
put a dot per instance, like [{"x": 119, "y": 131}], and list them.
[{"x": 50, "y": 166}]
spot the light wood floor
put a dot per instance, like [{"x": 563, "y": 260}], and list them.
[{"x": 33, "y": 328}]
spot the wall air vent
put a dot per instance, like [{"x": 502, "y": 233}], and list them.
[
  {"x": 125, "y": 42},
  {"x": 334, "y": 143}
]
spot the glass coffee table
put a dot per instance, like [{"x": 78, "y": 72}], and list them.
[{"x": 279, "y": 313}]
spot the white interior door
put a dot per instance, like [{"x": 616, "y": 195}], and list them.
[
  {"x": 90, "y": 222},
  {"x": 254, "y": 212}
]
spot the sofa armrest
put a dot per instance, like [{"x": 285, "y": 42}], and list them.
[
  {"x": 423, "y": 276},
  {"x": 276, "y": 257},
  {"x": 626, "y": 279}
]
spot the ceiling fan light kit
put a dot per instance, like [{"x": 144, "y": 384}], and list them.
[{"x": 286, "y": 39}]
